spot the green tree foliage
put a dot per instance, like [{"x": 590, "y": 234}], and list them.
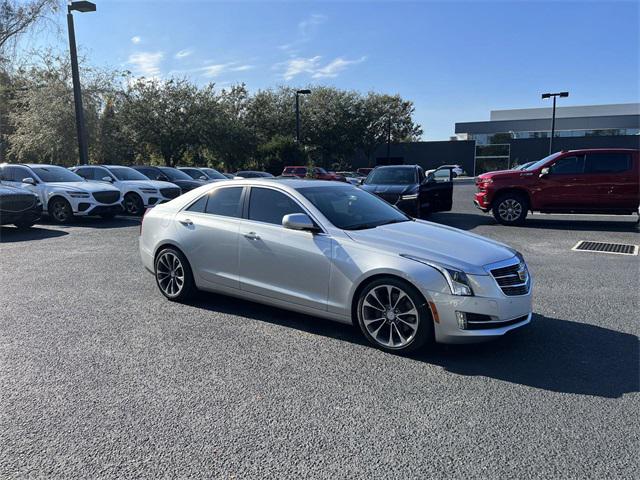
[{"x": 177, "y": 122}]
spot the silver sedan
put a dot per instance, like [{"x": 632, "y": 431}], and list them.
[{"x": 335, "y": 251}]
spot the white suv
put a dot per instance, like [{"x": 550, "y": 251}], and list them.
[
  {"x": 139, "y": 192},
  {"x": 63, "y": 193}
]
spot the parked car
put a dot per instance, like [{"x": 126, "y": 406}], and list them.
[
  {"x": 252, "y": 174},
  {"x": 19, "y": 207},
  {"x": 316, "y": 173},
  {"x": 576, "y": 181},
  {"x": 207, "y": 175},
  {"x": 335, "y": 251},
  {"x": 408, "y": 188},
  {"x": 364, "y": 171},
  {"x": 62, "y": 193},
  {"x": 352, "y": 177},
  {"x": 169, "y": 174},
  {"x": 456, "y": 170},
  {"x": 138, "y": 191},
  {"x": 523, "y": 166},
  {"x": 230, "y": 176}
]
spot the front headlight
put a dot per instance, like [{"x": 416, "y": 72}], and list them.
[
  {"x": 413, "y": 196},
  {"x": 456, "y": 279},
  {"x": 148, "y": 190},
  {"x": 74, "y": 194}
]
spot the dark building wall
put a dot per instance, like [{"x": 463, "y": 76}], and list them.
[
  {"x": 530, "y": 149},
  {"x": 426, "y": 154}
]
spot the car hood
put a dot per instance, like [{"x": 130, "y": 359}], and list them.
[
  {"x": 502, "y": 175},
  {"x": 438, "y": 243},
  {"x": 394, "y": 189},
  {"x": 83, "y": 186},
  {"x": 147, "y": 184}
]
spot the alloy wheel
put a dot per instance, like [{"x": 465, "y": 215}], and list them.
[
  {"x": 170, "y": 274},
  {"x": 60, "y": 211},
  {"x": 132, "y": 205},
  {"x": 389, "y": 316},
  {"x": 510, "y": 210}
]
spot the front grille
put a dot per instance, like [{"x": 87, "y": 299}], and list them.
[
  {"x": 603, "y": 247},
  {"x": 16, "y": 202},
  {"x": 170, "y": 192},
  {"x": 389, "y": 197},
  {"x": 106, "y": 197},
  {"x": 509, "y": 279}
]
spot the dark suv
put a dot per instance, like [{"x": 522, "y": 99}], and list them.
[{"x": 576, "y": 181}]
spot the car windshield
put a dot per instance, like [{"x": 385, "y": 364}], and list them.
[
  {"x": 392, "y": 176},
  {"x": 540, "y": 163},
  {"x": 350, "y": 208},
  {"x": 213, "y": 174},
  {"x": 51, "y": 173},
  {"x": 126, "y": 173},
  {"x": 194, "y": 173},
  {"x": 174, "y": 173}
]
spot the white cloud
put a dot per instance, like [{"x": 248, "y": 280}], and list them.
[
  {"x": 332, "y": 69},
  {"x": 146, "y": 64},
  {"x": 309, "y": 25},
  {"x": 136, "y": 40},
  {"x": 218, "y": 69},
  {"x": 183, "y": 53},
  {"x": 313, "y": 67}
]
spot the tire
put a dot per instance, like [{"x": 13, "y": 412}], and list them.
[
  {"x": 393, "y": 331},
  {"x": 510, "y": 209},
  {"x": 24, "y": 225},
  {"x": 59, "y": 210},
  {"x": 173, "y": 275},
  {"x": 133, "y": 204}
]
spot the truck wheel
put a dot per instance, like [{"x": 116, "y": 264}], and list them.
[{"x": 510, "y": 209}]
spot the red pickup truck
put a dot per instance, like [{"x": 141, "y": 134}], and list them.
[
  {"x": 316, "y": 173},
  {"x": 576, "y": 181}
]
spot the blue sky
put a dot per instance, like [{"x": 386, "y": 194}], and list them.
[{"x": 455, "y": 60}]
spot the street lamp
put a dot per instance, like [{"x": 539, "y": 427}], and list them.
[
  {"x": 79, "y": 6},
  {"x": 553, "y": 115},
  {"x": 298, "y": 93}
]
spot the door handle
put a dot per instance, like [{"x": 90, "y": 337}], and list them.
[
  {"x": 186, "y": 222},
  {"x": 252, "y": 236}
]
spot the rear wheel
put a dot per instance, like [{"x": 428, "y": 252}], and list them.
[
  {"x": 393, "y": 316},
  {"x": 60, "y": 210},
  {"x": 173, "y": 275},
  {"x": 133, "y": 204},
  {"x": 510, "y": 209}
]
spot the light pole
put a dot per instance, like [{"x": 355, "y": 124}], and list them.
[
  {"x": 79, "y": 6},
  {"x": 553, "y": 115},
  {"x": 388, "y": 138},
  {"x": 298, "y": 93}
]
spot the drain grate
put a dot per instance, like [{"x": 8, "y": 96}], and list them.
[{"x": 604, "y": 247}]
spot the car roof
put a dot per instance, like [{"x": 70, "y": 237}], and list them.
[
  {"x": 293, "y": 183},
  {"x": 397, "y": 166}
]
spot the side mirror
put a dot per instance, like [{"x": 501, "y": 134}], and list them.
[
  {"x": 29, "y": 180},
  {"x": 107, "y": 179},
  {"x": 163, "y": 178},
  {"x": 202, "y": 177},
  {"x": 544, "y": 172},
  {"x": 299, "y": 221}
]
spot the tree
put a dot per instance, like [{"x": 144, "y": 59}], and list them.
[
  {"x": 17, "y": 16},
  {"x": 279, "y": 152}
]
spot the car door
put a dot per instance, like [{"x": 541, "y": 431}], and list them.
[
  {"x": 281, "y": 263},
  {"x": 436, "y": 192},
  {"x": 613, "y": 179},
  {"x": 565, "y": 186},
  {"x": 208, "y": 233}
]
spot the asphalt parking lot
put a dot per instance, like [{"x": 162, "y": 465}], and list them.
[{"x": 102, "y": 377}]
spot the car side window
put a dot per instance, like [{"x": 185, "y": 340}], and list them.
[
  {"x": 14, "y": 173},
  {"x": 269, "y": 206},
  {"x": 149, "y": 172},
  {"x": 225, "y": 202},
  {"x": 443, "y": 175},
  {"x": 99, "y": 173},
  {"x": 199, "y": 205},
  {"x": 84, "y": 172},
  {"x": 608, "y": 162},
  {"x": 568, "y": 165}
]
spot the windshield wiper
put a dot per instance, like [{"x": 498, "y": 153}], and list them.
[{"x": 366, "y": 226}]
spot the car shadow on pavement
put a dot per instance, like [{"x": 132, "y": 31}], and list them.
[
  {"x": 11, "y": 234},
  {"x": 551, "y": 354},
  {"x": 95, "y": 222},
  {"x": 469, "y": 221}
]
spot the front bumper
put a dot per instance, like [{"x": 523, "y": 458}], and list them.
[
  {"x": 88, "y": 209},
  {"x": 488, "y": 315},
  {"x": 30, "y": 215},
  {"x": 481, "y": 200}
]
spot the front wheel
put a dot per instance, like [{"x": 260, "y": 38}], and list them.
[
  {"x": 60, "y": 210},
  {"x": 133, "y": 204},
  {"x": 393, "y": 316},
  {"x": 510, "y": 209},
  {"x": 173, "y": 275}
]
